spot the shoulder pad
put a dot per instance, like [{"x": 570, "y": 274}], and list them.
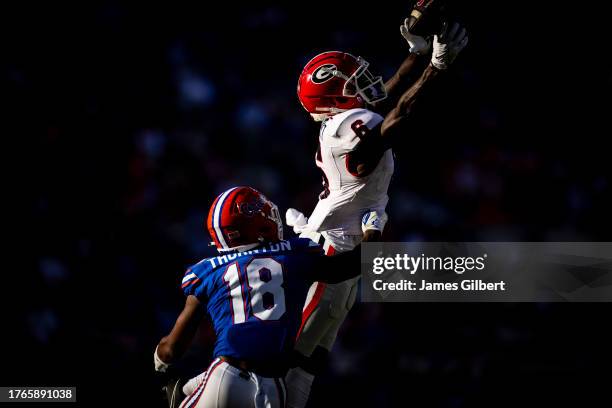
[
  {"x": 193, "y": 277},
  {"x": 339, "y": 131}
]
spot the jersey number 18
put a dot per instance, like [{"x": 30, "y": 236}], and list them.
[{"x": 264, "y": 279}]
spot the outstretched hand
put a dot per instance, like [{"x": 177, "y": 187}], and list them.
[
  {"x": 418, "y": 45},
  {"x": 448, "y": 44}
]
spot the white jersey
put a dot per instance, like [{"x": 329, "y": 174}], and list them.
[{"x": 350, "y": 196}]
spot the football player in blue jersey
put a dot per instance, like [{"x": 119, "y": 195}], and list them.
[{"x": 253, "y": 292}]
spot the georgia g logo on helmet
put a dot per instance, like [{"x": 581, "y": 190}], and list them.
[{"x": 324, "y": 73}]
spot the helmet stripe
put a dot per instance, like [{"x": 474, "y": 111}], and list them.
[
  {"x": 209, "y": 223},
  {"x": 217, "y": 217}
]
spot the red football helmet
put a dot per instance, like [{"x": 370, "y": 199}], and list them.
[
  {"x": 242, "y": 218},
  {"x": 336, "y": 81}
]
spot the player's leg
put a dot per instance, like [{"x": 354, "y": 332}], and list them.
[
  {"x": 309, "y": 360},
  {"x": 221, "y": 385},
  {"x": 315, "y": 317},
  {"x": 199, "y": 389},
  {"x": 345, "y": 293},
  {"x": 193, "y": 383},
  {"x": 271, "y": 392},
  {"x": 344, "y": 299},
  {"x": 324, "y": 313},
  {"x": 224, "y": 385},
  {"x": 326, "y": 309}
]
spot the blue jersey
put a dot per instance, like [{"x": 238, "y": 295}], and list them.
[{"x": 255, "y": 298}]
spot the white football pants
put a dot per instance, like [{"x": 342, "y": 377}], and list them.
[
  {"x": 327, "y": 305},
  {"x": 223, "y": 385}
]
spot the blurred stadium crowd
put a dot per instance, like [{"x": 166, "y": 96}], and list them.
[{"x": 137, "y": 117}]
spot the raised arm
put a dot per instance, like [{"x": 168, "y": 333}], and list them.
[
  {"x": 397, "y": 84},
  {"x": 403, "y": 107},
  {"x": 446, "y": 47},
  {"x": 376, "y": 140},
  {"x": 403, "y": 77}
]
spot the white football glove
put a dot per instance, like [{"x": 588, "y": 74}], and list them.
[
  {"x": 374, "y": 220},
  {"x": 296, "y": 219},
  {"x": 418, "y": 45},
  {"x": 448, "y": 45},
  {"x": 160, "y": 366}
]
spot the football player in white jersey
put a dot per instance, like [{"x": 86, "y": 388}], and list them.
[{"x": 355, "y": 156}]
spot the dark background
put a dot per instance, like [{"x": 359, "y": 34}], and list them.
[{"x": 131, "y": 118}]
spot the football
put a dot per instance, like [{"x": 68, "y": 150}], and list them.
[{"x": 427, "y": 17}]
